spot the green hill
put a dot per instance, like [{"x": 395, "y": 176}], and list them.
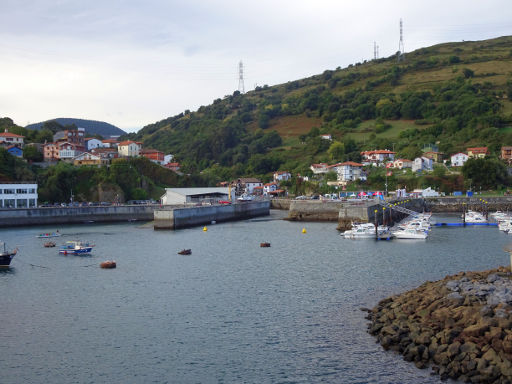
[{"x": 454, "y": 95}]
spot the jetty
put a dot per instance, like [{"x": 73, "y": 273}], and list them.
[
  {"x": 184, "y": 217},
  {"x": 460, "y": 326}
]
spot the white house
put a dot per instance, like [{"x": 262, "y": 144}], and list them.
[
  {"x": 269, "y": 187},
  {"x": 282, "y": 175},
  {"x": 402, "y": 163},
  {"x": 18, "y": 195},
  {"x": 129, "y": 149},
  {"x": 377, "y": 156},
  {"x": 67, "y": 151},
  {"x": 319, "y": 168},
  {"x": 422, "y": 164},
  {"x": 92, "y": 143},
  {"x": 168, "y": 159},
  {"x": 247, "y": 184},
  {"x": 8, "y": 139},
  {"x": 326, "y": 136},
  {"x": 196, "y": 195},
  {"x": 349, "y": 171},
  {"x": 459, "y": 159},
  {"x": 428, "y": 192}
]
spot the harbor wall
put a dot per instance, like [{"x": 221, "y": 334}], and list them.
[
  {"x": 176, "y": 218},
  {"x": 455, "y": 204},
  {"x": 74, "y": 215},
  {"x": 278, "y": 203}
]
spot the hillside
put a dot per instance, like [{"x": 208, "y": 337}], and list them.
[
  {"x": 454, "y": 95},
  {"x": 92, "y": 127}
]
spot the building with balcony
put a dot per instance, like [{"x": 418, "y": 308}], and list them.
[{"x": 18, "y": 195}]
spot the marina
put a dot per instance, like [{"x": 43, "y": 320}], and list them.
[{"x": 231, "y": 310}]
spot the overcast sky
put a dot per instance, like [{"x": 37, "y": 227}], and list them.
[{"x": 132, "y": 63}]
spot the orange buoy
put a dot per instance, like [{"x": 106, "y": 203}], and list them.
[{"x": 109, "y": 264}]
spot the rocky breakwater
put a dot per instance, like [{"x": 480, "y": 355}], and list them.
[{"x": 460, "y": 326}]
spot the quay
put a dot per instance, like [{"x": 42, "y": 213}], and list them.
[
  {"x": 75, "y": 215},
  {"x": 184, "y": 217}
]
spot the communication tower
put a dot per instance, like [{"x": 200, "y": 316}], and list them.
[
  {"x": 241, "y": 87},
  {"x": 401, "y": 49}
]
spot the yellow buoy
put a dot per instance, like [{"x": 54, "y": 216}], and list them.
[
  {"x": 205, "y": 229},
  {"x": 304, "y": 230}
]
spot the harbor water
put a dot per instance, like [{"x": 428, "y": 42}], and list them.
[{"x": 231, "y": 312}]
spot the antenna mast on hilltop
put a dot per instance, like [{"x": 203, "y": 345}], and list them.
[
  {"x": 241, "y": 87},
  {"x": 401, "y": 49},
  {"x": 375, "y": 51}
]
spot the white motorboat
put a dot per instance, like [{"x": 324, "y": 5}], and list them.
[
  {"x": 364, "y": 230},
  {"x": 475, "y": 217},
  {"x": 410, "y": 233}
]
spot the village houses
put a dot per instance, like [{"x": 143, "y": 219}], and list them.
[
  {"x": 422, "y": 164},
  {"x": 91, "y": 143},
  {"x": 401, "y": 163},
  {"x": 348, "y": 171},
  {"x": 282, "y": 176},
  {"x": 377, "y": 157},
  {"x": 87, "y": 158},
  {"x": 458, "y": 159},
  {"x": 437, "y": 157},
  {"x": 477, "y": 152},
  {"x": 129, "y": 148},
  {"x": 8, "y": 139},
  {"x": 506, "y": 154},
  {"x": 319, "y": 168}
]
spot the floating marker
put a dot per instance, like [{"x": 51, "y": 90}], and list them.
[
  {"x": 304, "y": 230},
  {"x": 205, "y": 229}
]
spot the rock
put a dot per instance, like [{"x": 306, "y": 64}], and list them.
[
  {"x": 453, "y": 349},
  {"x": 476, "y": 330}
]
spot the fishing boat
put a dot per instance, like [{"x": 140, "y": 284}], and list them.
[
  {"x": 6, "y": 256},
  {"x": 75, "y": 247},
  {"x": 185, "y": 252},
  {"x": 49, "y": 244},
  {"x": 48, "y": 235},
  {"x": 265, "y": 245}
]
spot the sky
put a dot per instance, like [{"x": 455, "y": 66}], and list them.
[{"x": 133, "y": 63}]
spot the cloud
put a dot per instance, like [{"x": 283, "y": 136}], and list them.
[{"x": 132, "y": 63}]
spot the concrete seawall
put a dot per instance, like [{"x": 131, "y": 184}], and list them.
[
  {"x": 176, "y": 218},
  {"x": 72, "y": 215},
  {"x": 455, "y": 204}
]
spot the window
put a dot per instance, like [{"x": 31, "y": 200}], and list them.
[
  {"x": 32, "y": 190},
  {"x": 31, "y": 203},
  {"x": 21, "y": 191},
  {"x": 9, "y": 191},
  {"x": 21, "y": 203},
  {"x": 9, "y": 203}
]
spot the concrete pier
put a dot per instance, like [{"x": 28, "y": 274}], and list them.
[
  {"x": 75, "y": 215},
  {"x": 176, "y": 218}
]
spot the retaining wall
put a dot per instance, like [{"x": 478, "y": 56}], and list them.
[
  {"x": 188, "y": 217},
  {"x": 455, "y": 204}
]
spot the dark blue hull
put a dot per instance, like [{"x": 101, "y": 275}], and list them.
[{"x": 5, "y": 259}]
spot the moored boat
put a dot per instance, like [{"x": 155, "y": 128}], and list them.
[
  {"x": 48, "y": 235},
  {"x": 6, "y": 256},
  {"x": 410, "y": 233},
  {"x": 75, "y": 247},
  {"x": 49, "y": 244},
  {"x": 185, "y": 252}
]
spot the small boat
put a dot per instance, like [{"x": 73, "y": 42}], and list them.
[
  {"x": 6, "y": 256},
  {"x": 49, "y": 244},
  {"x": 48, "y": 235},
  {"x": 75, "y": 247},
  {"x": 410, "y": 233},
  {"x": 265, "y": 245},
  {"x": 109, "y": 264},
  {"x": 185, "y": 252}
]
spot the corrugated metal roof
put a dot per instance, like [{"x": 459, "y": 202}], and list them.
[{"x": 198, "y": 191}]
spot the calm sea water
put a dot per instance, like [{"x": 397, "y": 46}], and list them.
[{"x": 232, "y": 312}]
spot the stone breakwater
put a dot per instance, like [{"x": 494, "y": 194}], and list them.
[{"x": 460, "y": 326}]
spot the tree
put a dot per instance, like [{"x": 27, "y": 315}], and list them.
[
  {"x": 336, "y": 151},
  {"x": 31, "y": 153},
  {"x": 486, "y": 173},
  {"x": 468, "y": 73}
]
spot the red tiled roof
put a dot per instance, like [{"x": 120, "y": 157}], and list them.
[
  {"x": 127, "y": 142},
  {"x": 402, "y": 160},
  {"x": 110, "y": 141},
  {"x": 378, "y": 152},
  {"x": 477, "y": 149},
  {"x": 8, "y": 134}
]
